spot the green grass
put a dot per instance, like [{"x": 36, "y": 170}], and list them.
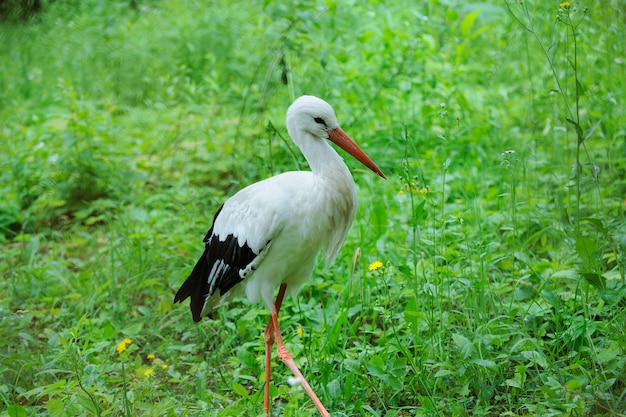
[{"x": 500, "y": 229}]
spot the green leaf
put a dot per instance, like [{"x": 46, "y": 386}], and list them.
[
  {"x": 16, "y": 410},
  {"x": 513, "y": 383},
  {"x": 592, "y": 129},
  {"x": 399, "y": 367},
  {"x": 464, "y": 345},
  {"x": 183, "y": 348},
  {"x": 55, "y": 407},
  {"x": 587, "y": 249},
  {"x": 596, "y": 280},
  {"x": 427, "y": 403},
  {"x": 371, "y": 411},
  {"x": 247, "y": 358},
  {"x": 524, "y": 293},
  {"x": 239, "y": 389},
  {"x": 573, "y": 384},
  {"x": 334, "y": 388},
  {"x": 394, "y": 383},
  {"x": 596, "y": 223},
  {"x": 485, "y": 363},
  {"x": 615, "y": 295},
  {"x": 468, "y": 22},
  {"x": 86, "y": 402},
  {"x": 376, "y": 368},
  {"x": 609, "y": 353},
  {"x": 535, "y": 357},
  {"x": 443, "y": 372},
  {"x": 351, "y": 365},
  {"x": 552, "y": 297}
]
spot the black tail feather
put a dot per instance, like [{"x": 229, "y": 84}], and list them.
[{"x": 196, "y": 287}]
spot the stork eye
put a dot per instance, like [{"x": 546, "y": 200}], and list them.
[{"x": 320, "y": 121}]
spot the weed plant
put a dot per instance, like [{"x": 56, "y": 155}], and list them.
[{"x": 487, "y": 276}]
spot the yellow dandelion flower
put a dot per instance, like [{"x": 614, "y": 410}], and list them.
[
  {"x": 151, "y": 356},
  {"x": 164, "y": 366},
  {"x": 121, "y": 346},
  {"x": 413, "y": 188},
  {"x": 148, "y": 372},
  {"x": 565, "y": 4},
  {"x": 375, "y": 265},
  {"x": 299, "y": 331}
]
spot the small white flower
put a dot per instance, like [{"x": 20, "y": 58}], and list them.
[{"x": 293, "y": 380}]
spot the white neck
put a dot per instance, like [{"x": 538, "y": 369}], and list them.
[
  {"x": 323, "y": 160},
  {"x": 335, "y": 184}
]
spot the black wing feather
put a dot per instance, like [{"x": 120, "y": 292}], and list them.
[{"x": 218, "y": 268}]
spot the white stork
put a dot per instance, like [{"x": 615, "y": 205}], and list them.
[{"x": 268, "y": 235}]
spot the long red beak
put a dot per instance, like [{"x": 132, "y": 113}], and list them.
[{"x": 341, "y": 139}]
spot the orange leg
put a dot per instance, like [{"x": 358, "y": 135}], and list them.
[
  {"x": 269, "y": 342},
  {"x": 272, "y": 331}
]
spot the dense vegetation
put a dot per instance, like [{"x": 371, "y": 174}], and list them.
[{"x": 486, "y": 276}]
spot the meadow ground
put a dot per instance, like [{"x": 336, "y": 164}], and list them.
[{"x": 486, "y": 276}]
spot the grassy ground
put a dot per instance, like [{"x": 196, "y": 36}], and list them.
[{"x": 501, "y": 288}]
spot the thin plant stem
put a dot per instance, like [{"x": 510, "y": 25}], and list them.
[{"x": 407, "y": 172}]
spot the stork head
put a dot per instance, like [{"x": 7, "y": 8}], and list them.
[
  {"x": 312, "y": 115},
  {"x": 316, "y": 117}
]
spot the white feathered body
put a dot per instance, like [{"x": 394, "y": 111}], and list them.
[{"x": 287, "y": 228}]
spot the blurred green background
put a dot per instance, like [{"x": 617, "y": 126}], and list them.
[{"x": 500, "y": 125}]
